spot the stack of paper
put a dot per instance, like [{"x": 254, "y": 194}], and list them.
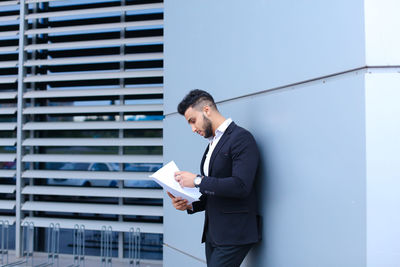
[{"x": 166, "y": 178}]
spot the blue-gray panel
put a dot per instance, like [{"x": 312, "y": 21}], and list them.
[
  {"x": 239, "y": 47},
  {"x": 312, "y": 178},
  {"x": 383, "y": 169}
]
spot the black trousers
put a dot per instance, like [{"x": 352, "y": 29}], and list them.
[{"x": 226, "y": 256}]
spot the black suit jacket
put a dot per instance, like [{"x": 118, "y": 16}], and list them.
[{"x": 228, "y": 192}]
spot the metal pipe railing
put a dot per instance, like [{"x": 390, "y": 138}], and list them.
[
  {"x": 78, "y": 250},
  {"x": 4, "y": 224},
  {"x": 106, "y": 246},
  {"x": 134, "y": 247}
]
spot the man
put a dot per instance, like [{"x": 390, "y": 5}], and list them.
[{"x": 228, "y": 170}]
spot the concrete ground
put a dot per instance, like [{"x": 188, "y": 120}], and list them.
[{"x": 90, "y": 261}]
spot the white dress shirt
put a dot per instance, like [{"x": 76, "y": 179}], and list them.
[{"x": 213, "y": 143}]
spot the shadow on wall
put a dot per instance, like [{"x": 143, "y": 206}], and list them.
[{"x": 254, "y": 258}]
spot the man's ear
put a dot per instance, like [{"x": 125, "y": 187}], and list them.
[{"x": 207, "y": 110}]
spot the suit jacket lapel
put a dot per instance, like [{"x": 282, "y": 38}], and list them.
[{"x": 221, "y": 142}]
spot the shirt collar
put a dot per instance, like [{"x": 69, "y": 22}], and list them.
[{"x": 221, "y": 129}]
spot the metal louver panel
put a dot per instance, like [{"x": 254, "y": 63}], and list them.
[
  {"x": 86, "y": 158},
  {"x": 7, "y": 204},
  {"x": 88, "y": 142},
  {"x": 81, "y": 60},
  {"x": 81, "y": 115},
  {"x": 8, "y": 95},
  {"x": 7, "y": 141},
  {"x": 8, "y": 79},
  {"x": 7, "y": 157},
  {"x": 94, "y": 11},
  {"x": 89, "y": 208},
  {"x": 105, "y": 175},
  {"x": 92, "y": 192},
  {"x": 91, "y": 92},
  {"x": 8, "y": 49},
  {"x": 97, "y": 43},
  {"x": 93, "y": 76},
  {"x": 92, "y": 125},
  {"x": 91, "y": 109},
  {"x": 7, "y": 18},
  {"x": 9, "y": 33},
  {"x": 95, "y": 27},
  {"x": 7, "y": 189},
  {"x": 7, "y": 173},
  {"x": 9, "y": 3},
  {"x": 5, "y": 126},
  {"x": 10, "y": 111}
]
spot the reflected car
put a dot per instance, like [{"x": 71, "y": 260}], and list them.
[
  {"x": 86, "y": 167},
  {"x": 142, "y": 167}
]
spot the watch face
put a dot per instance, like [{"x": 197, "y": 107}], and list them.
[{"x": 197, "y": 180}]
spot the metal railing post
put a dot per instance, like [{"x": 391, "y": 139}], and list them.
[{"x": 21, "y": 75}]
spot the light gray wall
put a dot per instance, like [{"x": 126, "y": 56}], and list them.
[
  {"x": 237, "y": 47},
  {"x": 312, "y": 179},
  {"x": 320, "y": 183},
  {"x": 383, "y": 168}
]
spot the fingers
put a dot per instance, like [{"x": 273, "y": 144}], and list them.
[
  {"x": 178, "y": 177},
  {"x": 180, "y": 204},
  {"x": 170, "y": 195}
]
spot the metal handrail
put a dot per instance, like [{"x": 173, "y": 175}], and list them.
[{"x": 134, "y": 247}]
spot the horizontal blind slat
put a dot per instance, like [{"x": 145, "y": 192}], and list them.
[
  {"x": 9, "y": 33},
  {"x": 7, "y": 126},
  {"x": 7, "y": 204},
  {"x": 7, "y": 189},
  {"x": 92, "y": 208},
  {"x": 105, "y": 26},
  {"x": 8, "y": 79},
  {"x": 7, "y": 157},
  {"x": 92, "y": 192},
  {"x": 8, "y": 141},
  {"x": 94, "y": 76},
  {"x": 97, "y": 59},
  {"x": 95, "y": 11},
  {"x": 9, "y": 49},
  {"x": 90, "y": 158},
  {"x": 92, "y": 125},
  {"x": 8, "y": 95},
  {"x": 8, "y": 111},
  {"x": 89, "y": 142},
  {"x": 9, "y": 18},
  {"x": 94, "y": 92},
  {"x": 99, "y": 175},
  {"x": 97, "y": 43},
  {"x": 90, "y": 109},
  {"x": 7, "y": 173}
]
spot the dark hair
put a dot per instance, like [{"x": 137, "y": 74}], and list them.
[{"x": 194, "y": 98}]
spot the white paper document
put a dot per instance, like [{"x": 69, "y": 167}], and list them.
[{"x": 166, "y": 178}]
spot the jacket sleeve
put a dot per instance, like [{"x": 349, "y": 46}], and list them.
[
  {"x": 245, "y": 157},
  {"x": 198, "y": 205}
]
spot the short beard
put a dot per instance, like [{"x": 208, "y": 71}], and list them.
[{"x": 208, "y": 132}]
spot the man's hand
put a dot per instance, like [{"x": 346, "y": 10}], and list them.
[
  {"x": 179, "y": 203},
  {"x": 185, "y": 179}
]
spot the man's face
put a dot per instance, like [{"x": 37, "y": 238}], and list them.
[{"x": 199, "y": 122}]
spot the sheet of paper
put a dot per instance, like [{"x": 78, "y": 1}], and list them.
[{"x": 165, "y": 178}]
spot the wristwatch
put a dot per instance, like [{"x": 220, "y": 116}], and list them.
[{"x": 197, "y": 180}]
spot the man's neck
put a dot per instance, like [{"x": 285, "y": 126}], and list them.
[{"x": 218, "y": 121}]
